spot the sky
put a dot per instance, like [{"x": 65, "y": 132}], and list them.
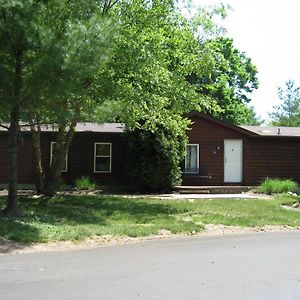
[{"x": 268, "y": 32}]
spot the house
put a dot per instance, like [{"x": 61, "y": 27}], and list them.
[
  {"x": 97, "y": 150},
  {"x": 218, "y": 153}
]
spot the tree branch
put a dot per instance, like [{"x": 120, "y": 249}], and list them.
[
  {"x": 37, "y": 2},
  {"x": 108, "y": 5}
]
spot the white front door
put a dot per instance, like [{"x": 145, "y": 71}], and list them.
[{"x": 233, "y": 161}]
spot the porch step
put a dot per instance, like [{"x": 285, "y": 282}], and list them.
[{"x": 212, "y": 189}]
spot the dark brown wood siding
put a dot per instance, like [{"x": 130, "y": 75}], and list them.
[
  {"x": 271, "y": 157},
  {"x": 274, "y": 157},
  {"x": 25, "y": 159},
  {"x": 263, "y": 156},
  {"x": 210, "y": 137},
  {"x": 80, "y": 157}
]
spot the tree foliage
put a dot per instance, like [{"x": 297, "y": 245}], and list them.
[
  {"x": 164, "y": 60},
  {"x": 165, "y": 65},
  {"x": 154, "y": 157},
  {"x": 161, "y": 66},
  {"x": 230, "y": 78},
  {"x": 288, "y": 112},
  {"x": 49, "y": 53},
  {"x": 155, "y": 51},
  {"x": 249, "y": 117},
  {"x": 56, "y": 44}
]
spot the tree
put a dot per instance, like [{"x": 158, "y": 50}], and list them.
[
  {"x": 49, "y": 51},
  {"x": 154, "y": 52},
  {"x": 229, "y": 79},
  {"x": 249, "y": 117},
  {"x": 164, "y": 66},
  {"x": 79, "y": 97},
  {"x": 154, "y": 157},
  {"x": 288, "y": 112},
  {"x": 219, "y": 77}
]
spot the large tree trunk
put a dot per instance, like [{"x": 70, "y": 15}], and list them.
[
  {"x": 13, "y": 134},
  {"x": 63, "y": 141},
  {"x": 39, "y": 170}
]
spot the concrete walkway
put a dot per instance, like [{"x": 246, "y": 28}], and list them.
[{"x": 213, "y": 196}]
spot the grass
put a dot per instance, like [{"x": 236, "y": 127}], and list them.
[
  {"x": 85, "y": 183},
  {"x": 275, "y": 186},
  {"x": 78, "y": 217}
]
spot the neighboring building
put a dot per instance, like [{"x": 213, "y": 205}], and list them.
[{"x": 218, "y": 153}]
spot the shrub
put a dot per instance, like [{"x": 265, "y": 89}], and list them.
[
  {"x": 274, "y": 186},
  {"x": 154, "y": 157},
  {"x": 84, "y": 183}
]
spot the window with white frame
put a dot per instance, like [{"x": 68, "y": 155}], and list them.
[
  {"x": 102, "y": 157},
  {"x": 52, "y": 148},
  {"x": 191, "y": 164}
]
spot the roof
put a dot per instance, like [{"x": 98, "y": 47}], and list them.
[
  {"x": 100, "y": 127},
  {"x": 84, "y": 127},
  {"x": 254, "y": 131},
  {"x": 274, "y": 130},
  {"x": 225, "y": 124}
]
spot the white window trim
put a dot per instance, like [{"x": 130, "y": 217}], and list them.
[
  {"x": 110, "y": 157},
  {"x": 197, "y": 145},
  {"x": 51, "y": 155}
]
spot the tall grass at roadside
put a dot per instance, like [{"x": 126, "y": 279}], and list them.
[{"x": 275, "y": 186}]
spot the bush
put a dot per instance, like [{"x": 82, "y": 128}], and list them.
[
  {"x": 154, "y": 157},
  {"x": 84, "y": 183},
  {"x": 274, "y": 186}
]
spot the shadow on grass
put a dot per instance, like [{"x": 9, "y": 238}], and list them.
[
  {"x": 12, "y": 229},
  {"x": 77, "y": 214},
  {"x": 106, "y": 206}
]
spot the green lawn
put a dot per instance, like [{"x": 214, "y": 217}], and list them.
[{"x": 77, "y": 217}]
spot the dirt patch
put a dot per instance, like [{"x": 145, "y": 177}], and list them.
[
  {"x": 294, "y": 207},
  {"x": 8, "y": 247},
  {"x": 211, "y": 229}
]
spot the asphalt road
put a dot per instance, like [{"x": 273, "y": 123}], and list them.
[{"x": 253, "y": 266}]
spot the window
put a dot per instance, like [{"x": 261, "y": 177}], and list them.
[
  {"x": 65, "y": 167},
  {"x": 102, "y": 157},
  {"x": 191, "y": 164}
]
